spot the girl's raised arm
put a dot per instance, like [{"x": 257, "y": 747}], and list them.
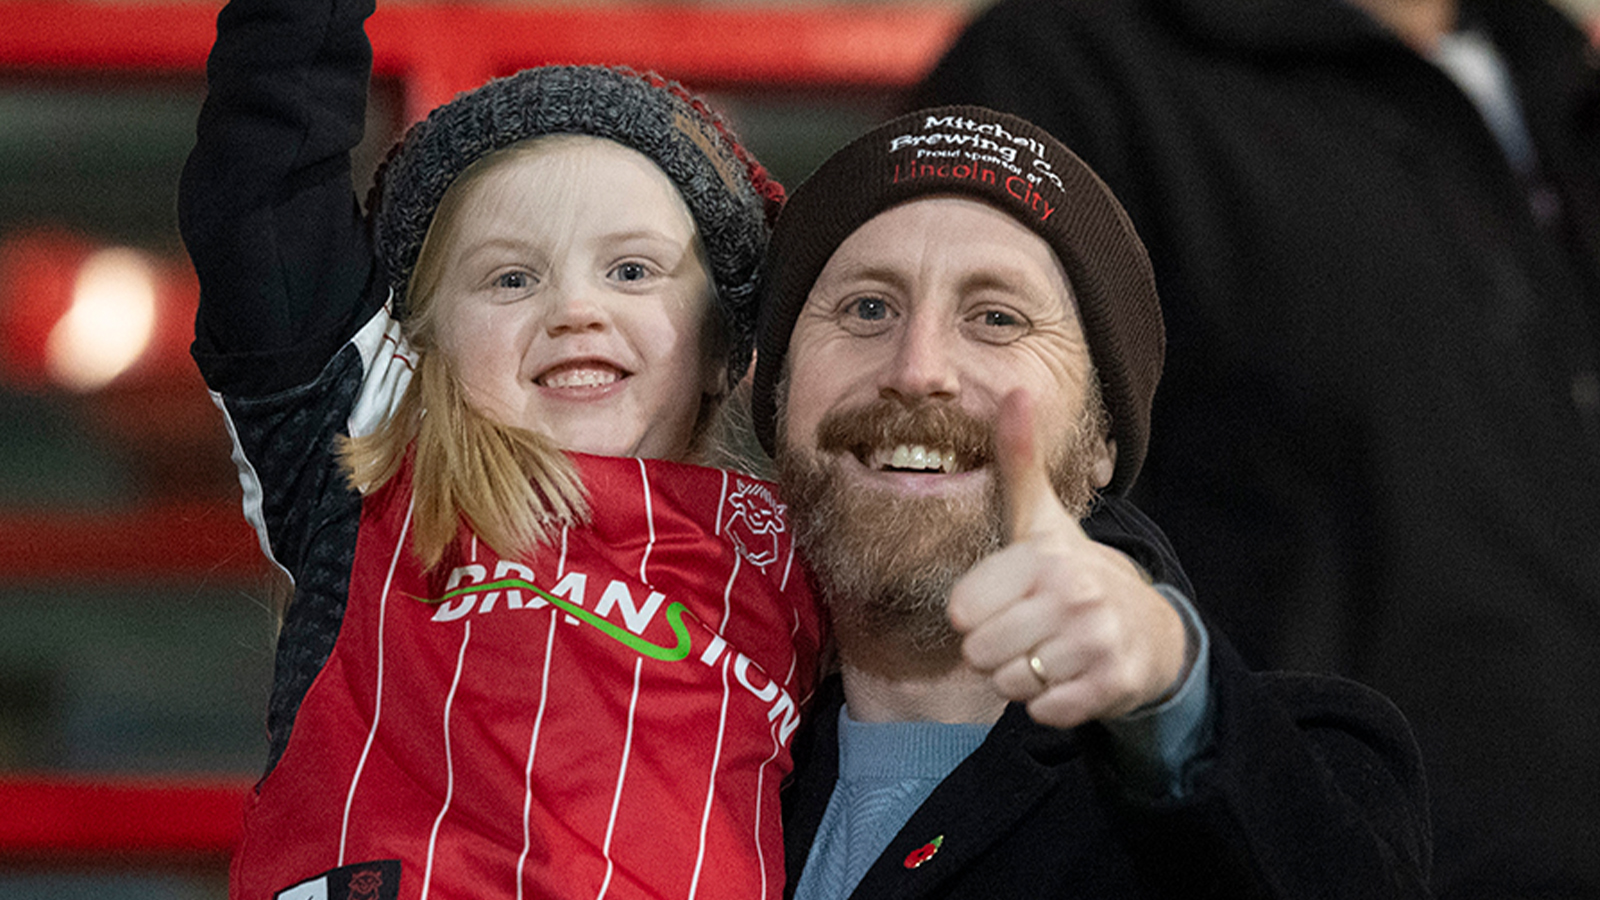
[{"x": 266, "y": 205}]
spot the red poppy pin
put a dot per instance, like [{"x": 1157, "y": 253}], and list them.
[{"x": 924, "y": 853}]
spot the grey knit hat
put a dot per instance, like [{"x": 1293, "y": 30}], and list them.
[
  {"x": 1018, "y": 168},
  {"x": 732, "y": 199}
]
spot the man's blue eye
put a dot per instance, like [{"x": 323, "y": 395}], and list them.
[
  {"x": 872, "y": 309},
  {"x": 997, "y": 325},
  {"x": 515, "y": 281}
]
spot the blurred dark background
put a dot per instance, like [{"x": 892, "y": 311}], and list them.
[{"x": 136, "y": 613}]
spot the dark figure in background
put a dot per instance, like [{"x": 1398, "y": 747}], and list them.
[{"x": 1376, "y": 234}]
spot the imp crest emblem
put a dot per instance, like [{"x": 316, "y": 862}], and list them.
[
  {"x": 365, "y": 885},
  {"x": 755, "y": 522}
]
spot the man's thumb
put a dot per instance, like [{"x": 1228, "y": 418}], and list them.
[{"x": 1024, "y": 479}]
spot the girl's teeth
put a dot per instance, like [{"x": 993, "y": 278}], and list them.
[{"x": 580, "y": 378}]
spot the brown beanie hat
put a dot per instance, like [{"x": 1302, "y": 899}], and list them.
[{"x": 1019, "y": 169}]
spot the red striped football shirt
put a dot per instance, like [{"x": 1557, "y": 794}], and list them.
[{"x": 610, "y": 718}]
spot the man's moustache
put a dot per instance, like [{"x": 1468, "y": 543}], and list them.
[{"x": 884, "y": 423}]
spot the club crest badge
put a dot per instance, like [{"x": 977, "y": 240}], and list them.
[
  {"x": 376, "y": 880},
  {"x": 754, "y": 521}
]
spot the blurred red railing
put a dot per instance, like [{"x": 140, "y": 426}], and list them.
[
  {"x": 51, "y": 818},
  {"x": 441, "y": 48}
]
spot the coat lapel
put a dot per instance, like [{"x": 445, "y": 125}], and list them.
[
  {"x": 810, "y": 786},
  {"x": 1016, "y": 767}
]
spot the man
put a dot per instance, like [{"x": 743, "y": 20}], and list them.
[
  {"x": 959, "y": 346},
  {"x": 1376, "y": 231}
]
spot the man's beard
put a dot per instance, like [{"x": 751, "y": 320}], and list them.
[{"x": 886, "y": 562}]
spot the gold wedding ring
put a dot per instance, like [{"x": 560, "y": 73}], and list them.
[{"x": 1038, "y": 669}]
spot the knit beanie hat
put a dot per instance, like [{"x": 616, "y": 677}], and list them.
[
  {"x": 732, "y": 199},
  {"x": 1017, "y": 168}
]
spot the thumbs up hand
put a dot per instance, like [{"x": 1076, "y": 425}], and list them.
[{"x": 1060, "y": 621}]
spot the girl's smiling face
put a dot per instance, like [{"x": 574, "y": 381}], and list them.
[{"x": 572, "y": 298}]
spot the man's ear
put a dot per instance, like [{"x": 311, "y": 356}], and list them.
[{"x": 1105, "y": 462}]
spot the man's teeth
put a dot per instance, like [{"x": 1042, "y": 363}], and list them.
[
  {"x": 914, "y": 456},
  {"x": 569, "y": 378}
]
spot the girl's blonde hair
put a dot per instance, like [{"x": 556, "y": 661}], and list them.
[{"x": 513, "y": 487}]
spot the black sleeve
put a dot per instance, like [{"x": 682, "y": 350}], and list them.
[
  {"x": 266, "y": 205},
  {"x": 268, "y": 213},
  {"x": 1314, "y": 788},
  {"x": 1312, "y": 785}
]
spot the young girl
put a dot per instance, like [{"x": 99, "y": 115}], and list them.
[{"x": 507, "y": 670}]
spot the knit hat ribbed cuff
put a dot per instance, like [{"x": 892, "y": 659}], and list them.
[{"x": 1021, "y": 170}]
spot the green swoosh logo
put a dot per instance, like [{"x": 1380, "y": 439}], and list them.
[{"x": 675, "y": 612}]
